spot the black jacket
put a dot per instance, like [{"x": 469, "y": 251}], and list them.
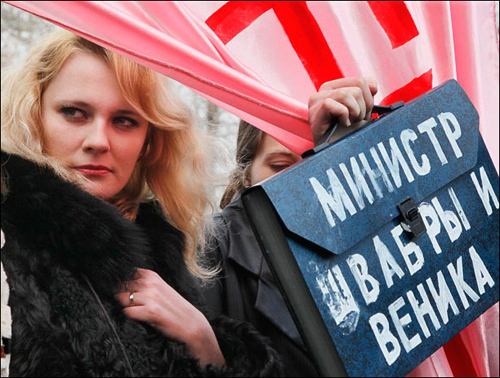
[
  {"x": 61, "y": 245},
  {"x": 246, "y": 289}
]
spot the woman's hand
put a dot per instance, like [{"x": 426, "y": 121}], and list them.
[
  {"x": 149, "y": 299},
  {"x": 349, "y": 100}
]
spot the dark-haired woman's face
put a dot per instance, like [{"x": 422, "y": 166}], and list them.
[
  {"x": 271, "y": 158},
  {"x": 90, "y": 126}
]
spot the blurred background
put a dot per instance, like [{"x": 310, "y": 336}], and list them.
[{"x": 21, "y": 30}]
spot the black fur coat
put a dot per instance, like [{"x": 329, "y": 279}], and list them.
[{"x": 61, "y": 244}]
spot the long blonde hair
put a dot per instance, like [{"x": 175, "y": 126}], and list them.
[{"x": 172, "y": 168}]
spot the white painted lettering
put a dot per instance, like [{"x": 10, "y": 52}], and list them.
[
  {"x": 400, "y": 324},
  {"x": 373, "y": 175},
  {"x": 453, "y": 135},
  {"x": 427, "y": 127},
  {"x": 387, "y": 262},
  {"x": 485, "y": 190},
  {"x": 460, "y": 210},
  {"x": 483, "y": 277},
  {"x": 443, "y": 299},
  {"x": 358, "y": 186},
  {"x": 381, "y": 169},
  {"x": 457, "y": 275},
  {"x": 410, "y": 135},
  {"x": 423, "y": 309},
  {"x": 450, "y": 221},
  {"x": 395, "y": 162},
  {"x": 336, "y": 294},
  {"x": 388, "y": 344},
  {"x": 433, "y": 228},
  {"x": 359, "y": 269},
  {"x": 408, "y": 250},
  {"x": 337, "y": 202}
]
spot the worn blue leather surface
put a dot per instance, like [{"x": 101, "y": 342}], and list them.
[
  {"x": 389, "y": 300},
  {"x": 295, "y": 198}
]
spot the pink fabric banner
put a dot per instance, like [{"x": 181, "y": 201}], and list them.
[{"x": 261, "y": 60}]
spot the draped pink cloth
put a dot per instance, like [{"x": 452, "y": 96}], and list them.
[{"x": 261, "y": 60}]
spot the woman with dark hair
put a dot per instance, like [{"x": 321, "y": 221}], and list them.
[{"x": 245, "y": 289}]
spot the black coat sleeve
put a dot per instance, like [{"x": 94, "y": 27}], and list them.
[{"x": 247, "y": 352}]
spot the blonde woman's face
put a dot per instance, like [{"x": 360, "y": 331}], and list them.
[
  {"x": 271, "y": 158},
  {"x": 90, "y": 126}
]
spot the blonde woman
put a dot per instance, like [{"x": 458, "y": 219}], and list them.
[{"x": 102, "y": 209}]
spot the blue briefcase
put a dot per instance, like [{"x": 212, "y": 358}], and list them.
[{"x": 385, "y": 243}]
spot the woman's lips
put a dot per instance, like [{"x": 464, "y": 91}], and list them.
[{"x": 93, "y": 170}]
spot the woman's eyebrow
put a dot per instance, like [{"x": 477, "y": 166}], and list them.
[
  {"x": 86, "y": 105},
  {"x": 82, "y": 104},
  {"x": 279, "y": 154},
  {"x": 127, "y": 112},
  {"x": 284, "y": 153}
]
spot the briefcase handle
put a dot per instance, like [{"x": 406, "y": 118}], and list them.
[{"x": 325, "y": 139}]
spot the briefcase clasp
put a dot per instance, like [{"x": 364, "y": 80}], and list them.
[{"x": 413, "y": 222}]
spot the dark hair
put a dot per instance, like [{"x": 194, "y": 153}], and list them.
[{"x": 247, "y": 145}]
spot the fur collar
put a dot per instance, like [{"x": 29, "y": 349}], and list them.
[{"x": 81, "y": 232}]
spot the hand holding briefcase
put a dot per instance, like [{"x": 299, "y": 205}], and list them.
[{"x": 385, "y": 243}]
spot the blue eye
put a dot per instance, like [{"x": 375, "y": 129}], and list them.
[{"x": 73, "y": 114}]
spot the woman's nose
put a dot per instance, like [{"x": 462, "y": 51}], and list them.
[{"x": 97, "y": 138}]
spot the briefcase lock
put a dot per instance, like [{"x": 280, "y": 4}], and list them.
[{"x": 412, "y": 220}]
